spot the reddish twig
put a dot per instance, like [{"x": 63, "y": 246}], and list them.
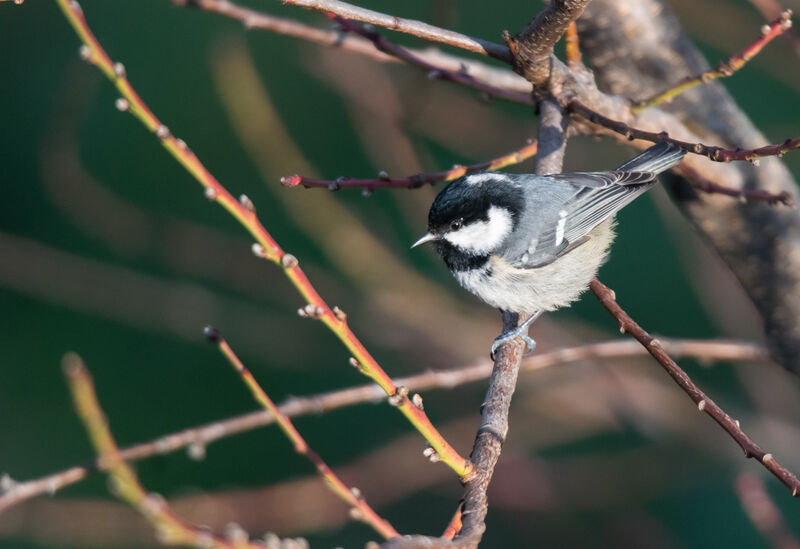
[
  {"x": 359, "y": 508},
  {"x": 717, "y": 154},
  {"x": 407, "y": 26},
  {"x": 413, "y": 181},
  {"x": 771, "y": 9},
  {"x": 197, "y": 438},
  {"x": 125, "y": 484},
  {"x": 745, "y": 195},
  {"x": 726, "y": 68},
  {"x": 454, "y": 526},
  {"x": 573, "y": 46},
  {"x": 266, "y": 247},
  {"x": 434, "y": 72},
  {"x": 704, "y": 403}
]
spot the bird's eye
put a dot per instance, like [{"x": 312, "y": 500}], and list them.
[{"x": 455, "y": 225}]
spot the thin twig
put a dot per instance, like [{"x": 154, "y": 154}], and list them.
[
  {"x": 266, "y": 247},
  {"x": 745, "y": 195},
  {"x": 770, "y": 9},
  {"x": 196, "y": 439},
  {"x": 573, "y": 46},
  {"x": 253, "y": 19},
  {"x": 413, "y": 181},
  {"x": 717, "y": 154},
  {"x": 125, "y": 484},
  {"x": 407, "y": 26},
  {"x": 454, "y": 526},
  {"x": 704, "y": 404},
  {"x": 726, "y": 68},
  {"x": 434, "y": 71},
  {"x": 359, "y": 508}
]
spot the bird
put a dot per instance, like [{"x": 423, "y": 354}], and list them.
[{"x": 527, "y": 243}]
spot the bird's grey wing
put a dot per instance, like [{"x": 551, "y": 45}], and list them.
[{"x": 563, "y": 208}]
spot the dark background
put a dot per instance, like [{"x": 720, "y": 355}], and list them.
[{"x": 108, "y": 248}]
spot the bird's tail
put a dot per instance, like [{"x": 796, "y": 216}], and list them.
[{"x": 658, "y": 158}]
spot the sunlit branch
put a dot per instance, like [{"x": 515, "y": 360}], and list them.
[
  {"x": 359, "y": 508},
  {"x": 266, "y": 247},
  {"x": 170, "y": 530},
  {"x": 726, "y": 68}
]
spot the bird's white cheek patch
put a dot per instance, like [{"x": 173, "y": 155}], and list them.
[{"x": 483, "y": 236}]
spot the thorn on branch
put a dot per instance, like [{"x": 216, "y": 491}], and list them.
[
  {"x": 122, "y": 104},
  {"x": 288, "y": 261}
]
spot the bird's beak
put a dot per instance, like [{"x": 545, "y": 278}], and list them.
[{"x": 427, "y": 237}]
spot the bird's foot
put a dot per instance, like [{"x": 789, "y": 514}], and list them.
[{"x": 508, "y": 336}]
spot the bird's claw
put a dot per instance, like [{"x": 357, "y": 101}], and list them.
[{"x": 508, "y": 336}]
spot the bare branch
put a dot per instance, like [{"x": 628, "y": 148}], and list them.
[
  {"x": 718, "y": 154},
  {"x": 726, "y": 68},
  {"x": 704, "y": 184},
  {"x": 532, "y": 47},
  {"x": 359, "y": 508},
  {"x": 266, "y": 247},
  {"x": 407, "y": 26},
  {"x": 573, "y": 47},
  {"x": 253, "y": 19},
  {"x": 413, "y": 181},
  {"x": 491, "y": 435},
  {"x": 195, "y": 439},
  {"x": 704, "y": 404},
  {"x": 434, "y": 71},
  {"x": 126, "y": 485}
]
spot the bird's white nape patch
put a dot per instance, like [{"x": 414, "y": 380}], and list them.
[
  {"x": 481, "y": 237},
  {"x": 560, "y": 227},
  {"x": 481, "y": 178}
]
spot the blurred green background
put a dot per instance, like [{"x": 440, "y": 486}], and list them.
[{"x": 108, "y": 248}]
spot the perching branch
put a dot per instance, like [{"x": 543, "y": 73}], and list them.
[
  {"x": 731, "y": 426},
  {"x": 196, "y": 439},
  {"x": 359, "y": 508},
  {"x": 413, "y": 181},
  {"x": 718, "y": 154},
  {"x": 266, "y": 247},
  {"x": 726, "y": 68},
  {"x": 407, "y": 26},
  {"x": 497, "y": 403},
  {"x": 170, "y": 530}
]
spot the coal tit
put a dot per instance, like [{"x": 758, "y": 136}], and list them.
[{"x": 528, "y": 243}]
